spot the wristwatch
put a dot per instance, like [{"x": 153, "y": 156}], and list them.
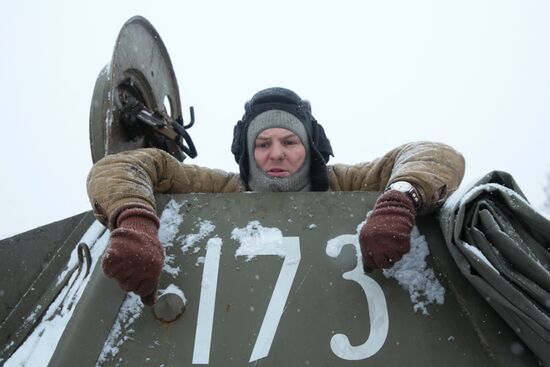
[{"x": 408, "y": 189}]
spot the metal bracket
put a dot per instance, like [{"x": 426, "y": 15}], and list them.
[{"x": 133, "y": 112}]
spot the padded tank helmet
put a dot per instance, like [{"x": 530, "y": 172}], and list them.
[{"x": 286, "y": 100}]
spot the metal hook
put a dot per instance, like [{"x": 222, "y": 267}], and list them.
[
  {"x": 192, "y": 114},
  {"x": 84, "y": 252},
  {"x": 191, "y": 151}
]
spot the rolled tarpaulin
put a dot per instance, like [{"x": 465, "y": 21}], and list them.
[{"x": 502, "y": 246}]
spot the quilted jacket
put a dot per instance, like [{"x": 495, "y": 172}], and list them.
[{"x": 133, "y": 177}]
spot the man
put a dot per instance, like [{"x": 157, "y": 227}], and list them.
[{"x": 279, "y": 146}]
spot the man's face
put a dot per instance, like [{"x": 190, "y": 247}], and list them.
[{"x": 279, "y": 152}]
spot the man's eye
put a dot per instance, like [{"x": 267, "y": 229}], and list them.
[
  {"x": 261, "y": 145},
  {"x": 289, "y": 142}
]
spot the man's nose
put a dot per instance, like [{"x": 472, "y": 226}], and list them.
[{"x": 277, "y": 151}]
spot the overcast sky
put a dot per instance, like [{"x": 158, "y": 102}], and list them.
[{"x": 472, "y": 74}]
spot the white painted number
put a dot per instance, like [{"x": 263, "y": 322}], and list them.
[
  {"x": 292, "y": 256},
  {"x": 203, "y": 335},
  {"x": 378, "y": 311},
  {"x": 290, "y": 249},
  {"x": 205, "y": 318}
]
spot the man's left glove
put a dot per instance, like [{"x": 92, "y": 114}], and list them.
[
  {"x": 135, "y": 255},
  {"x": 386, "y": 236}
]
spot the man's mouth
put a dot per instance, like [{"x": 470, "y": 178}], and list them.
[{"x": 277, "y": 172}]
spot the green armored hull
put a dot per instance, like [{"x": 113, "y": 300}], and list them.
[{"x": 268, "y": 279}]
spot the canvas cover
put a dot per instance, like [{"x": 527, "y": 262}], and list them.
[{"x": 502, "y": 246}]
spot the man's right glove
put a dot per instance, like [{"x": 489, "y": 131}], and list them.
[
  {"x": 386, "y": 236},
  {"x": 135, "y": 255}
]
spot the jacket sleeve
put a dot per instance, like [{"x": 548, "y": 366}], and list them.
[
  {"x": 434, "y": 169},
  {"x": 133, "y": 177}
]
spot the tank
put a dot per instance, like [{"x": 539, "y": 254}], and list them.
[{"x": 249, "y": 279}]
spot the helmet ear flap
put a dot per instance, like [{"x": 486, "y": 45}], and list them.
[
  {"x": 238, "y": 148},
  {"x": 320, "y": 140},
  {"x": 239, "y": 135}
]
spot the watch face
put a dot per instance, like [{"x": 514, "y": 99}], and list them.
[{"x": 402, "y": 186}]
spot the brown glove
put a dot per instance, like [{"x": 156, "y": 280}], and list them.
[
  {"x": 135, "y": 255},
  {"x": 386, "y": 236}
]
